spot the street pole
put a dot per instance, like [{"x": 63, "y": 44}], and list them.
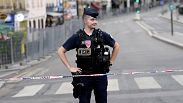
[
  {"x": 11, "y": 39},
  {"x": 63, "y": 10},
  {"x": 162, "y": 6},
  {"x": 171, "y": 22},
  {"x": 171, "y": 7},
  {"x": 77, "y": 4},
  {"x": 63, "y": 4},
  {"x": 12, "y": 51}
]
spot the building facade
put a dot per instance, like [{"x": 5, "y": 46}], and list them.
[{"x": 34, "y": 11}]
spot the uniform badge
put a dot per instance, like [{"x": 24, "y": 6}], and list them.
[{"x": 88, "y": 43}]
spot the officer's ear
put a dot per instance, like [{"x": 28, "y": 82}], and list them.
[{"x": 85, "y": 18}]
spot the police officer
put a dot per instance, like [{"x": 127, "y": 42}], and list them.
[{"x": 92, "y": 58}]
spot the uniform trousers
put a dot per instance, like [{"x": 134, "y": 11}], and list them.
[{"x": 98, "y": 84}]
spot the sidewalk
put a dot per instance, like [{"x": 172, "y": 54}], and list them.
[
  {"x": 12, "y": 69},
  {"x": 176, "y": 18},
  {"x": 176, "y": 39}
]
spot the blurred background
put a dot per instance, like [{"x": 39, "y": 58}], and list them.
[{"x": 32, "y": 29}]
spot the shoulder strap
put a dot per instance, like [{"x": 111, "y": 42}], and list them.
[
  {"x": 80, "y": 34},
  {"x": 99, "y": 36}
]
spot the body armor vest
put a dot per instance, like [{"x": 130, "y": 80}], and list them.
[{"x": 92, "y": 56}]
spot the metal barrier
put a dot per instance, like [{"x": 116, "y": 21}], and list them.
[
  {"x": 42, "y": 42},
  {"x": 37, "y": 44},
  {"x": 5, "y": 52},
  {"x": 10, "y": 49}
]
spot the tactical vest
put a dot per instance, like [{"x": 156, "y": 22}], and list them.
[{"x": 92, "y": 56}]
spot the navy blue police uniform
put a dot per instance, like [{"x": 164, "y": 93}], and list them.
[{"x": 97, "y": 83}]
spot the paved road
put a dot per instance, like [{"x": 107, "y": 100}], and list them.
[
  {"x": 125, "y": 87},
  {"x": 161, "y": 25},
  {"x": 139, "y": 52}
]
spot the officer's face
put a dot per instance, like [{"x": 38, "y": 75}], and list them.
[{"x": 90, "y": 22}]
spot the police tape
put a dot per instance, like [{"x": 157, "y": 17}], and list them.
[{"x": 91, "y": 75}]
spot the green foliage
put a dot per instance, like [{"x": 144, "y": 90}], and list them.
[{"x": 5, "y": 46}]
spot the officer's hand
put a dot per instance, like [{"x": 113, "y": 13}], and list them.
[{"x": 75, "y": 70}]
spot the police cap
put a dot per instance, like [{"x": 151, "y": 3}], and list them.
[{"x": 91, "y": 12}]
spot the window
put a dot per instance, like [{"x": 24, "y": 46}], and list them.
[
  {"x": 42, "y": 23},
  {"x": 34, "y": 23},
  {"x": 30, "y": 25},
  {"x": 39, "y": 25}
]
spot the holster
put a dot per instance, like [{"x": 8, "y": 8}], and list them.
[{"x": 78, "y": 86}]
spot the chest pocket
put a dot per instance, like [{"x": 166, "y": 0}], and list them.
[{"x": 84, "y": 52}]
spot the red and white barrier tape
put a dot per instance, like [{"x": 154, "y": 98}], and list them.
[{"x": 70, "y": 76}]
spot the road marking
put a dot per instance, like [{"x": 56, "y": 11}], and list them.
[
  {"x": 178, "y": 78},
  {"x": 147, "y": 83},
  {"x": 29, "y": 90},
  {"x": 65, "y": 88},
  {"x": 141, "y": 24},
  {"x": 52, "y": 89},
  {"x": 147, "y": 26},
  {"x": 113, "y": 85}
]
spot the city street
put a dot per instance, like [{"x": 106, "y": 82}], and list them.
[{"x": 150, "y": 71}]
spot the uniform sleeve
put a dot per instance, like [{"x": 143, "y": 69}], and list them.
[
  {"x": 108, "y": 39},
  {"x": 71, "y": 43}
]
